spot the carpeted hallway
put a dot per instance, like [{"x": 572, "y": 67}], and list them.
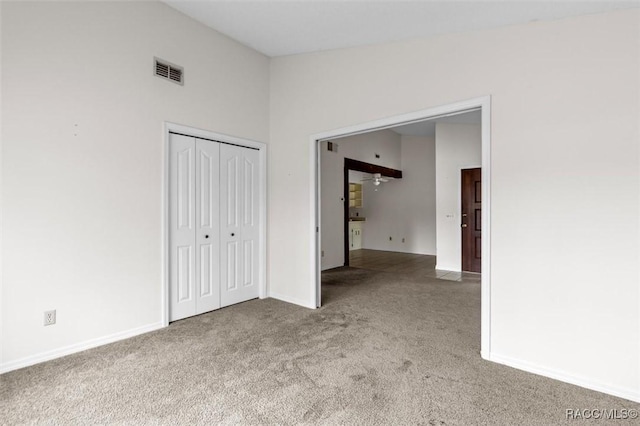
[{"x": 386, "y": 348}]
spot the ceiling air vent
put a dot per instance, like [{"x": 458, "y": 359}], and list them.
[{"x": 168, "y": 71}]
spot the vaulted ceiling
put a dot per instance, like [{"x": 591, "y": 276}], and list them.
[{"x": 278, "y": 28}]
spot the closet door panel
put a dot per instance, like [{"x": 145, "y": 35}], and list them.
[
  {"x": 182, "y": 220},
  {"x": 207, "y": 233},
  {"x": 239, "y": 231},
  {"x": 251, "y": 219}
]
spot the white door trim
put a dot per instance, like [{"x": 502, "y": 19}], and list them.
[
  {"x": 169, "y": 127},
  {"x": 484, "y": 103}
]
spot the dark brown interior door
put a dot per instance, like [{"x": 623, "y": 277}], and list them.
[{"x": 471, "y": 219}]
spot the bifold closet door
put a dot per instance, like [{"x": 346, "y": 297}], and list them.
[
  {"x": 239, "y": 223},
  {"x": 194, "y": 234}
]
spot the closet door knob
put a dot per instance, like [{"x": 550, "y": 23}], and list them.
[
  {"x": 206, "y": 236},
  {"x": 233, "y": 235}
]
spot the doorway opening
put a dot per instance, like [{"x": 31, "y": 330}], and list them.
[
  {"x": 318, "y": 141},
  {"x": 352, "y": 195}
]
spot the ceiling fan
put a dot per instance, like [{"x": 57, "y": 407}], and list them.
[{"x": 377, "y": 179}]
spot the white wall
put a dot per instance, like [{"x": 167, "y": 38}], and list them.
[
  {"x": 565, "y": 167},
  {"x": 332, "y": 207},
  {"x": 1, "y": 197},
  {"x": 405, "y": 208},
  {"x": 458, "y": 146},
  {"x": 82, "y": 159},
  {"x": 363, "y": 147}
]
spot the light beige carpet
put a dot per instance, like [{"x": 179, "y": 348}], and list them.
[{"x": 385, "y": 349}]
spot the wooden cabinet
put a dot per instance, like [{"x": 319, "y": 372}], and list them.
[{"x": 355, "y": 195}]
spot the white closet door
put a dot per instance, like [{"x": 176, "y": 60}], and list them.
[
  {"x": 195, "y": 226},
  {"x": 207, "y": 233},
  {"x": 239, "y": 223},
  {"x": 182, "y": 289}
]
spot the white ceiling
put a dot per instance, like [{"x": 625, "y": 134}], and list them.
[{"x": 278, "y": 28}]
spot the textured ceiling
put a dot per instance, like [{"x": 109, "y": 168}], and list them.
[{"x": 278, "y": 28}]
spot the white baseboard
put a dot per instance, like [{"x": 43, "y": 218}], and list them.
[
  {"x": 293, "y": 300},
  {"x": 630, "y": 394},
  {"x": 400, "y": 250},
  {"x": 78, "y": 347}
]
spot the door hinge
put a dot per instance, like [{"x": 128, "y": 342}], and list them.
[{"x": 317, "y": 229}]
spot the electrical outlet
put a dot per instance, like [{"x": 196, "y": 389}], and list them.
[
  {"x": 403, "y": 240},
  {"x": 49, "y": 317},
  {"x": 322, "y": 253}
]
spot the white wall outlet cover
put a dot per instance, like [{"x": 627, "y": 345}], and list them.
[{"x": 49, "y": 317}]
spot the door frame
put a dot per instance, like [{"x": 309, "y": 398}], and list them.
[
  {"x": 169, "y": 127},
  {"x": 484, "y": 104}
]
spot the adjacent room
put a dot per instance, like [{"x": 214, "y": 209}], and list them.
[
  {"x": 378, "y": 217},
  {"x": 319, "y": 212}
]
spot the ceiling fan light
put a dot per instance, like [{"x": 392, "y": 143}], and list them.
[{"x": 376, "y": 182}]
